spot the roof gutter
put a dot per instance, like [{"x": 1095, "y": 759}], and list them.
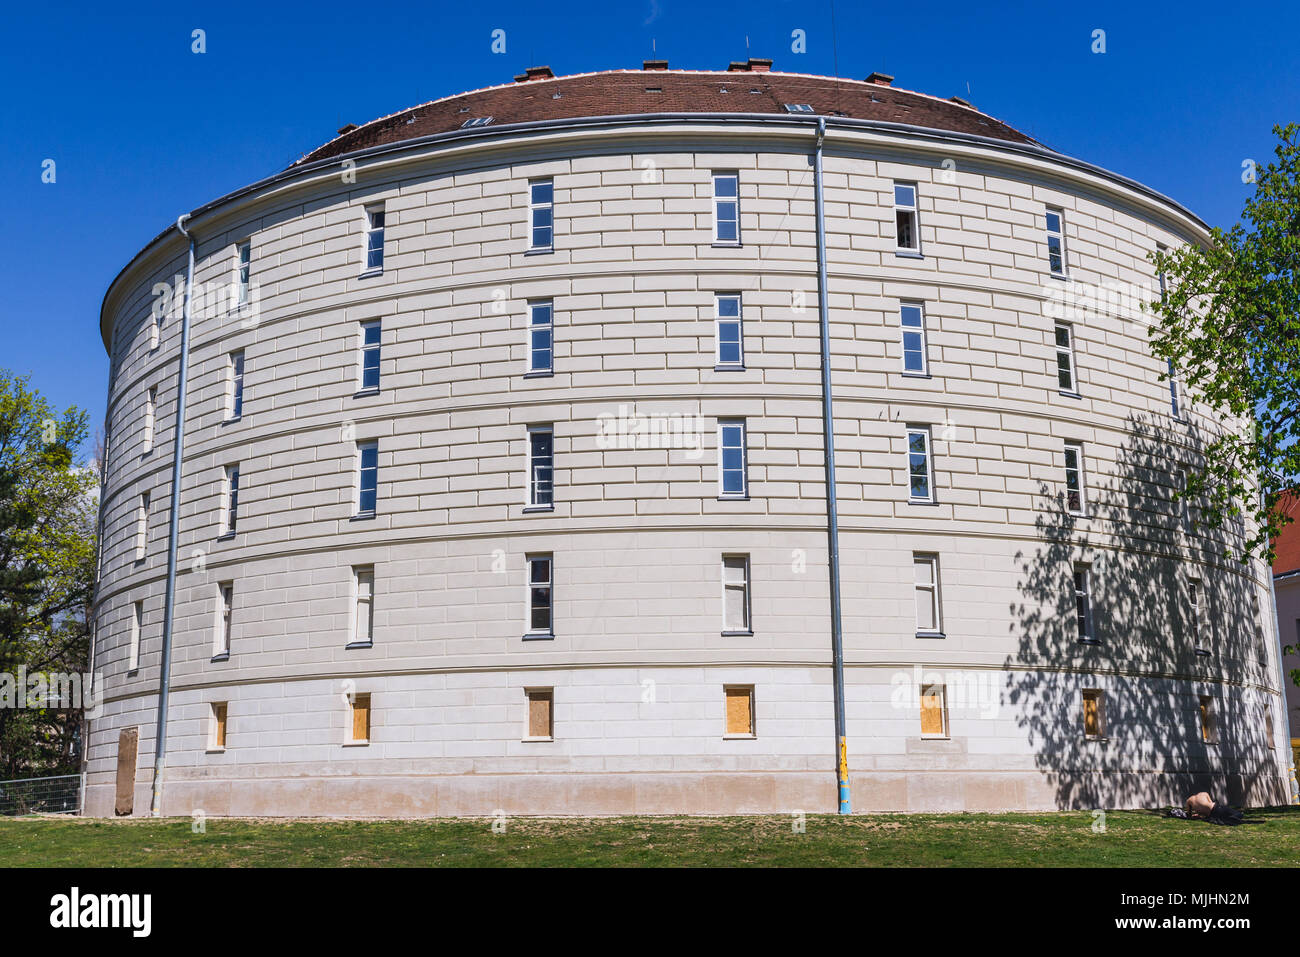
[{"x": 173, "y": 531}]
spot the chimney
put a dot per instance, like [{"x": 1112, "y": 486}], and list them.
[
  {"x": 654, "y": 64},
  {"x": 347, "y": 128},
  {"x": 958, "y": 99},
  {"x": 880, "y": 79},
  {"x": 535, "y": 73},
  {"x": 752, "y": 65}
]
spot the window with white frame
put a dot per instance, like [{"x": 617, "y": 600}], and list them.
[
  {"x": 541, "y": 467},
  {"x": 911, "y": 320},
  {"x": 733, "y": 480},
  {"x": 363, "y": 610},
  {"x": 150, "y": 414},
  {"x": 934, "y": 711},
  {"x": 1083, "y": 602},
  {"x": 726, "y": 208},
  {"x": 368, "y": 356},
  {"x": 142, "y": 527},
  {"x": 541, "y": 337},
  {"x": 367, "y": 477},
  {"x": 235, "y": 384},
  {"x": 1075, "y": 501},
  {"x": 137, "y": 626},
  {"x": 541, "y": 214},
  {"x": 929, "y": 621},
  {"x": 728, "y": 331},
  {"x": 1196, "y": 623},
  {"x": 1066, "y": 381},
  {"x": 920, "y": 471},
  {"x": 243, "y": 268},
  {"x": 540, "y": 572},
  {"x": 230, "y": 501},
  {"x": 374, "y": 249},
  {"x": 735, "y": 595},
  {"x": 1056, "y": 241},
  {"x": 225, "y": 620},
  {"x": 907, "y": 228}
]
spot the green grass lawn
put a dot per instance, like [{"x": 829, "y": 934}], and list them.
[{"x": 1067, "y": 839}]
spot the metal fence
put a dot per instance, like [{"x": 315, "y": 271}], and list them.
[{"x": 57, "y": 795}]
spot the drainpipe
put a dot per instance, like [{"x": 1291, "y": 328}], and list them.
[
  {"x": 173, "y": 532},
  {"x": 832, "y": 513}
]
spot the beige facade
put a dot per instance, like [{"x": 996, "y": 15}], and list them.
[{"x": 639, "y": 660}]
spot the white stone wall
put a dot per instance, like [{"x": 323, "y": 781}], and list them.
[{"x": 637, "y": 534}]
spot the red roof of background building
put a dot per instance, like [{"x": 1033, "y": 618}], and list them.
[{"x": 1286, "y": 556}]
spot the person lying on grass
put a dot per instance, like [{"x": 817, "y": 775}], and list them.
[{"x": 1202, "y": 807}]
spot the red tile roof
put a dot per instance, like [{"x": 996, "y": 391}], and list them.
[
  {"x": 1286, "y": 555},
  {"x": 630, "y": 92}
]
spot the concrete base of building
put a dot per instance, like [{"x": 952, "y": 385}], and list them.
[{"x": 703, "y": 793}]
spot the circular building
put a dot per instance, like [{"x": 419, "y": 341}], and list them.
[{"x": 503, "y": 483}]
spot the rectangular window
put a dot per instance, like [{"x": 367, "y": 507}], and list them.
[
  {"x": 541, "y": 713},
  {"x": 726, "y": 208},
  {"x": 225, "y": 620},
  {"x": 541, "y": 214},
  {"x": 243, "y": 266},
  {"x": 1196, "y": 619},
  {"x": 1056, "y": 241},
  {"x": 1065, "y": 377},
  {"x": 150, "y": 408},
  {"x": 142, "y": 527},
  {"x": 374, "y": 238},
  {"x": 1075, "y": 502},
  {"x": 363, "y": 612},
  {"x": 1209, "y": 720},
  {"x": 1083, "y": 602},
  {"x": 541, "y": 341},
  {"x": 1183, "y": 505},
  {"x": 540, "y": 570},
  {"x": 1094, "y": 714},
  {"x": 911, "y": 318},
  {"x": 1174, "y": 409},
  {"x": 137, "y": 626},
  {"x": 367, "y": 477},
  {"x": 368, "y": 357},
  {"x": 934, "y": 711},
  {"x": 735, "y": 595},
  {"x": 733, "y": 480},
  {"x": 728, "y": 334},
  {"x": 230, "y": 503},
  {"x": 920, "y": 476},
  {"x": 359, "y": 719},
  {"x": 541, "y": 467},
  {"x": 740, "y": 710},
  {"x": 907, "y": 227},
  {"x": 217, "y": 727},
  {"x": 928, "y": 620},
  {"x": 1269, "y": 735},
  {"x": 155, "y": 327},
  {"x": 235, "y": 384}
]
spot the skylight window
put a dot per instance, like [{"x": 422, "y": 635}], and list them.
[
  {"x": 476, "y": 121},
  {"x": 798, "y": 108}
]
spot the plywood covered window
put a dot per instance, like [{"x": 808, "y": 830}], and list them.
[
  {"x": 934, "y": 711},
  {"x": 359, "y": 719},
  {"x": 541, "y": 707},
  {"x": 1209, "y": 721},
  {"x": 740, "y": 710},
  {"x": 1094, "y": 713},
  {"x": 217, "y": 727}
]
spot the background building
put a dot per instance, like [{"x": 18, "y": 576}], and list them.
[{"x": 503, "y": 481}]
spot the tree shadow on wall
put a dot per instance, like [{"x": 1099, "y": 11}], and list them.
[{"x": 1151, "y": 749}]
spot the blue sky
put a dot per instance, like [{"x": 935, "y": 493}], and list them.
[{"x": 142, "y": 129}]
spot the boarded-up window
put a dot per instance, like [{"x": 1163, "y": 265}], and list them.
[
  {"x": 1268, "y": 727},
  {"x": 217, "y": 739},
  {"x": 361, "y": 718},
  {"x": 1208, "y": 728},
  {"x": 1093, "y": 718},
  {"x": 127, "y": 742},
  {"x": 934, "y": 718},
  {"x": 740, "y": 710},
  {"x": 540, "y": 709}
]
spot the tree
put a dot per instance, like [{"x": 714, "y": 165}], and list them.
[
  {"x": 1229, "y": 322},
  {"x": 47, "y": 569}
]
